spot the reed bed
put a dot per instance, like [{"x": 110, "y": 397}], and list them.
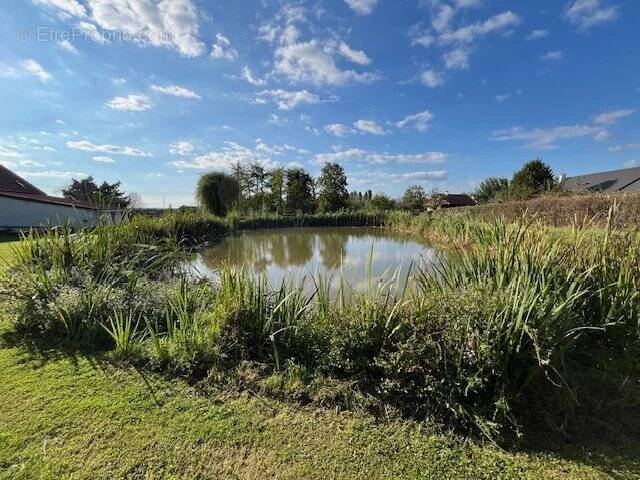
[{"x": 515, "y": 326}]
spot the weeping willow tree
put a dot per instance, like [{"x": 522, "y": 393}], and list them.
[{"x": 217, "y": 192}]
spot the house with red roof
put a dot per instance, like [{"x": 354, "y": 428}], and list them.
[{"x": 24, "y": 206}]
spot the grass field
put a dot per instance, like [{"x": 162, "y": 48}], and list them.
[{"x": 75, "y": 416}]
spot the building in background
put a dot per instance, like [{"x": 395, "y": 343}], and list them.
[
  {"x": 24, "y": 206},
  {"x": 626, "y": 180}
]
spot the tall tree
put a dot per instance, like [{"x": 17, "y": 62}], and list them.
[
  {"x": 533, "y": 178},
  {"x": 107, "y": 195},
  {"x": 491, "y": 188},
  {"x": 217, "y": 192},
  {"x": 333, "y": 188},
  {"x": 380, "y": 202},
  {"x": 258, "y": 182},
  {"x": 414, "y": 198},
  {"x": 299, "y": 191},
  {"x": 275, "y": 183}
]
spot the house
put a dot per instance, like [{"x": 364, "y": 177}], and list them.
[
  {"x": 450, "y": 200},
  {"x": 24, "y": 206},
  {"x": 625, "y": 180}
]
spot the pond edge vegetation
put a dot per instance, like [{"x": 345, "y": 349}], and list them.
[{"x": 519, "y": 327}]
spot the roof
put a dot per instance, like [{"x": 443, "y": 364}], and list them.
[
  {"x": 14, "y": 186},
  {"x": 10, "y": 182},
  {"x": 625, "y": 180},
  {"x": 457, "y": 200}
]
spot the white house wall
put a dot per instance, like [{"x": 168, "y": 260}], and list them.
[{"x": 18, "y": 213}]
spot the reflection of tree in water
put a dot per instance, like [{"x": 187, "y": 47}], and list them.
[
  {"x": 299, "y": 248},
  {"x": 333, "y": 248},
  {"x": 278, "y": 249}
]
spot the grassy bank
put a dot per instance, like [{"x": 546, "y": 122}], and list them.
[{"x": 74, "y": 415}]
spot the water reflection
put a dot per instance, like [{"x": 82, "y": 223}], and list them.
[{"x": 294, "y": 253}]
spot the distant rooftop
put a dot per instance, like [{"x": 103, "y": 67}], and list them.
[{"x": 625, "y": 180}]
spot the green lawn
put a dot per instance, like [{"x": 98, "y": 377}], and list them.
[
  {"x": 78, "y": 417},
  {"x": 5, "y": 251}
]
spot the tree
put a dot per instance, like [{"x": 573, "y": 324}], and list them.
[
  {"x": 275, "y": 183},
  {"x": 414, "y": 198},
  {"x": 258, "y": 181},
  {"x": 107, "y": 195},
  {"x": 380, "y": 202},
  {"x": 333, "y": 188},
  {"x": 217, "y": 192},
  {"x": 532, "y": 179},
  {"x": 299, "y": 191},
  {"x": 491, "y": 188}
]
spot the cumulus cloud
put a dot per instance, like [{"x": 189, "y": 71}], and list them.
[
  {"x": 362, "y": 7},
  {"x": 609, "y": 118},
  {"x": 34, "y": 68},
  {"x": 230, "y": 154},
  {"x": 311, "y": 61},
  {"x": 161, "y": 23},
  {"x": 180, "y": 148},
  {"x": 131, "y": 103},
  {"x": 457, "y": 59},
  {"x": 420, "y": 121},
  {"x": 66, "y": 45},
  {"x": 338, "y": 129},
  {"x": 87, "y": 146},
  {"x": 248, "y": 75},
  {"x": 222, "y": 48},
  {"x": 71, "y": 8},
  {"x": 360, "y": 155},
  {"x": 287, "y": 100},
  {"x": 588, "y": 13},
  {"x": 355, "y": 56},
  {"x": 554, "y": 55},
  {"x": 176, "y": 91},
  {"x": 548, "y": 137},
  {"x": 431, "y": 78},
  {"x": 369, "y": 126},
  {"x": 537, "y": 34}
]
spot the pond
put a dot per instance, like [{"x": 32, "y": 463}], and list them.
[{"x": 357, "y": 255}]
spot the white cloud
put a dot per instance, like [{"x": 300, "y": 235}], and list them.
[
  {"x": 588, "y": 13},
  {"x": 554, "y": 55},
  {"x": 369, "y": 126},
  {"x": 35, "y": 69},
  {"x": 180, "y": 148},
  {"x": 503, "y": 98},
  {"x": 431, "y": 78},
  {"x": 609, "y": 118},
  {"x": 338, "y": 129},
  {"x": 621, "y": 148},
  {"x": 310, "y": 62},
  {"x": 457, "y": 59},
  {"x": 537, "y": 34},
  {"x": 52, "y": 174},
  {"x": 222, "y": 48},
  {"x": 66, "y": 45},
  {"x": 355, "y": 56},
  {"x": 67, "y": 7},
  {"x": 362, "y": 7},
  {"x": 103, "y": 160},
  {"x": 248, "y": 75},
  {"x": 287, "y": 100},
  {"x": 467, "y": 3},
  {"x": 132, "y": 103},
  {"x": 469, "y": 33},
  {"x": 547, "y": 137},
  {"x": 161, "y": 23},
  {"x": 86, "y": 146},
  {"x": 176, "y": 91},
  {"x": 228, "y": 155},
  {"x": 631, "y": 163},
  {"x": 92, "y": 33},
  {"x": 357, "y": 154},
  {"x": 419, "y": 121}
]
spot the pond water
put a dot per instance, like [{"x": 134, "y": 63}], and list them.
[{"x": 300, "y": 253}]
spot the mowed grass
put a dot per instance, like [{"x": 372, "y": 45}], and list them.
[
  {"x": 68, "y": 416},
  {"x": 6, "y": 251}
]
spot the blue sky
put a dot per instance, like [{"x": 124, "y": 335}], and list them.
[{"x": 436, "y": 92}]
